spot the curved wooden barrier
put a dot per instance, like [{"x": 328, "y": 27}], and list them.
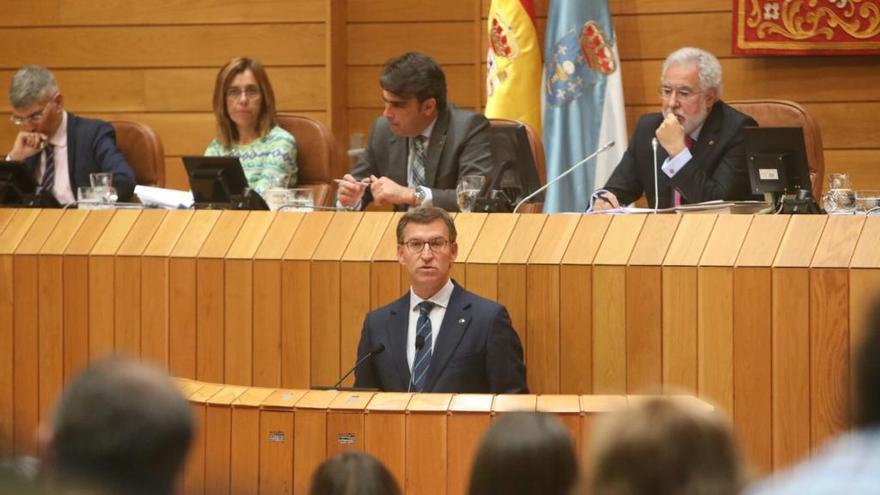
[{"x": 756, "y": 313}]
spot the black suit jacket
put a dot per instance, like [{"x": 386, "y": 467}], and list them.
[
  {"x": 91, "y": 147},
  {"x": 459, "y": 146},
  {"x": 716, "y": 171},
  {"x": 477, "y": 350}
]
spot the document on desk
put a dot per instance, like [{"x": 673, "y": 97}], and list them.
[
  {"x": 714, "y": 206},
  {"x": 164, "y": 198}
]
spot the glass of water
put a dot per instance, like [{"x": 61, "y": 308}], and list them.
[
  {"x": 102, "y": 185},
  {"x": 840, "y": 198},
  {"x": 466, "y": 193},
  {"x": 300, "y": 199}
]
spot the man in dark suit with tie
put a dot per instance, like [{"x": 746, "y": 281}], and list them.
[
  {"x": 421, "y": 146},
  {"x": 438, "y": 337},
  {"x": 59, "y": 148},
  {"x": 699, "y": 142}
]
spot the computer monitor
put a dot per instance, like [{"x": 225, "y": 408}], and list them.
[
  {"x": 218, "y": 182},
  {"x": 19, "y": 189},
  {"x": 777, "y": 160},
  {"x": 515, "y": 171}
]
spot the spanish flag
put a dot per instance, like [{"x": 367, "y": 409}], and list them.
[{"x": 513, "y": 69}]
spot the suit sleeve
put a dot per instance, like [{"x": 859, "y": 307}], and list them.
[
  {"x": 365, "y": 376},
  {"x": 366, "y": 164},
  {"x": 729, "y": 180},
  {"x": 625, "y": 182},
  {"x": 475, "y": 159},
  {"x": 109, "y": 159},
  {"x": 504, "y": 358}
]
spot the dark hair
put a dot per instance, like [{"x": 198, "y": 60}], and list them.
[
  {"x": 353, "y": 473},
  {"x": 414, "y": 74},
  {"x": 425, "y": 215},
  {"x": 525, "y": 453},
  {"x": 227, "y": 132},
  {"x": 121, "y": 426},
  {"x": 866, "y": 410},
  {"x": 665, "y": 446}
]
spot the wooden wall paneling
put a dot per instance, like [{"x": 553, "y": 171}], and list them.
[
  {"x": 211, "y": 351},
  {"x": 310, "y": 443},
  {"x": 864, "y": 283},
  {"x": 715, "y": 310},
  {"x": 542, "y": 313},
  {"x": 26, "y": 334},
  {"x": 481, "y": 269},
  {"x": 467, "y": 423},
  {"x": 644, "y": 305},
  {"x": 511, "y": 403},
  {"x": 218, "y": 440},
  {"x": 575, "y": 305},
  {"x": 385, "y": 431},
  {"x": 609, "y": 304},
  {"x": 592, "y": 407},
  {"x": 16, "y": 228},
  {"x": 244, "y": 475},
  {"x": 355, "y": 279},
  {"x": 374, "y": 43},
  {"x": 829, "y": 327},
  {"x": 512, "y": 273},
  {"x": 278, "y": 437},
  {"x": 680, "y": 293},
  {"x": 568, "y": 409},
  {"x": 102, "y": 279},
  {"x": 296, "y": 301},
  {"x": 267, "y": 299},
  {"x": 345, "y": 422},
  {"x": 426, "y": 448},
  {"x": 385, "y": 274},
  {"x": 6, "y": 215},
  {"x": 327, "y": 298},
  {"x": 128, "y": 283},
  {"x": 468, "y": 226},
  {"x": 182, "y": 294},
  {"x": 238, "y": 299},
  {"x": 336, "y": 73},
  {"x": 155, "y": 289},
  {"x": 194, "y": 470}
]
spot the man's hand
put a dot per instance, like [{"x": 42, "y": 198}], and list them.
[
  {"x": 27, "y": 144},
  {"x": 386, "y": 191},
  {"x": 605, "y": 201},
  {"x": 670, "y": 134},
  {"x": 350, "y": 191}
]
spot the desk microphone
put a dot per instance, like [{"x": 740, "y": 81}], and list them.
[
  {"x": 375, "y": 351},
  {"x": 656, "y": 187},
  {"x": 563, "y": 174}
]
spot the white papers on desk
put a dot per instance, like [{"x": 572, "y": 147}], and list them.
[
  {"x": 714, "y": 206},
  {"x": 164, "y": 198}
]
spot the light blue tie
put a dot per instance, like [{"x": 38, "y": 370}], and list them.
[{"x": 423, "y": 355}]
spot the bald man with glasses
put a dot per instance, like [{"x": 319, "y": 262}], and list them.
[
  {"x": 438, "y": 337},
  {"x": 696, "y": 142},
  {"x": 59, "y": 148}
]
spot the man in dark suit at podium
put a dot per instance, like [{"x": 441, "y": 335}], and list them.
[{"x": 438, "y": 337}]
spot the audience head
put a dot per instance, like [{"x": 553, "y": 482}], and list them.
[
  {"x": 690, "y": 83},
  {"x": 525, "y": 453},
  {"x": 243, "y": 100},
  {"x": 37, "y": 103},
  {"x": 664, "y": 446},
  {"x": 867, "y": 372},
  {"x": 120, "y": 427},
  {"x": 353, "y": 473},
  {"x": 414, "y": 90},
  {"x": 426, "y": 247}
]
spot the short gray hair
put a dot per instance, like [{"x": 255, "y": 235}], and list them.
[
  {"x": 31, "y": 83},
  {"x": 708, "y": 66}
]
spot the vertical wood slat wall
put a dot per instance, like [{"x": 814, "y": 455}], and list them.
[{"x": 155, "y": 62}]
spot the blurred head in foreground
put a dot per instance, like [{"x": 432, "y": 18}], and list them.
[{"x": 353, "y": 473}]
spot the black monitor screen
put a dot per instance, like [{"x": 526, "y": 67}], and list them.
[
  {"x": 16, "y": 184},
  {"x": 219, "y": 182},
  {"x": 777, "y": 159},
  {"x": 515, "y": 171}
]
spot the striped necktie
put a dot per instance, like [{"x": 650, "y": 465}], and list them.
[
  {"x": 417, "y": 172},
  {"x": 423, "y": 354},
  {"x": 49, "y": 175}
]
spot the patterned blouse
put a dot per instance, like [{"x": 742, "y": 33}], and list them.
[{"x": 272, "y": 156}]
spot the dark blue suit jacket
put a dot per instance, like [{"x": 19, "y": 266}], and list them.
[
  {"x": 477, "y": 350},
  {"x": 91, "y": 147}
]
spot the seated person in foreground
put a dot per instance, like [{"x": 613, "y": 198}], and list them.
[
  {"x": 438, "y": 337},
  {"x": 59, "y": 148},
  {"x": 421, "y": 146},
  {"x": 244, "y": 106},
  {"x": 700, "y": 153},
  {"x": 353, "y": 473}
]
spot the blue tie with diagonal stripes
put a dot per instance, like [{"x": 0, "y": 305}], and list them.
[
  {"x": 48, "y": 181},
  {"x": 423, "y": 355}
]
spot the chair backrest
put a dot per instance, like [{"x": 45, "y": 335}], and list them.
[
  {"x": 783, "y": 113},
  {"x": 316, "y": 154},
  {"x": 143, "y": 150},
  {"x": 534, "y": 142}
]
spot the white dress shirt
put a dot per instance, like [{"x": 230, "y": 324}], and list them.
[
  {"x": 62, "y": 189},
  {"x": 672, "y": 165}
]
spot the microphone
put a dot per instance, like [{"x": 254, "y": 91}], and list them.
[
  {"x": 656, "y": 187},
  {"x": 375, "y": 351},
  {"x": 543, "y": 188}
]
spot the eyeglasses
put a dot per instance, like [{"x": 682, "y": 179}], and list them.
[
  {"x": 33, "y": 118},
  {"x": 683, "y": 93},
  {"x": 249, "y": 92},
  {"x": 436, "y": 245}
]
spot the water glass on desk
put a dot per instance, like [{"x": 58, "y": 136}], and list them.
[
  {"x": 840, "y": 198},
  {"x": 300, "y": 199},
  {"x": 102, "y": 188},
  {"x": 467, "y": 191}
]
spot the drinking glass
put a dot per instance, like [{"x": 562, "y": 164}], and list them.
[
  {"x": 90, "y": 198},
  {"x": 102, "y": 184},
  {"x": 868, "y": 201},
  {"x": 468, "y": 188},
  {"x": 276, "y": 192},
  {"x": 300, "y": 199},
  {"x": 840, "y": 198}
]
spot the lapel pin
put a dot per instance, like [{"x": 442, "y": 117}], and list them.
[
  {"x": 711, "y": 142},
  {"x": 461, "y": 321}
]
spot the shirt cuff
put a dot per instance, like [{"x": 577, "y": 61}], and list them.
[
  {"x": 429, "y": 196},
  {"x": 357, "y": 207},
  {"x": 671, "y": 166}
]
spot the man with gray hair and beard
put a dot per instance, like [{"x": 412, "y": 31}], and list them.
[{"x": 696, "y": 142}]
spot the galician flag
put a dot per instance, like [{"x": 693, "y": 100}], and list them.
[
  {"x": 513, "y": 75},
  {"x": 583, "y": 100}
]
